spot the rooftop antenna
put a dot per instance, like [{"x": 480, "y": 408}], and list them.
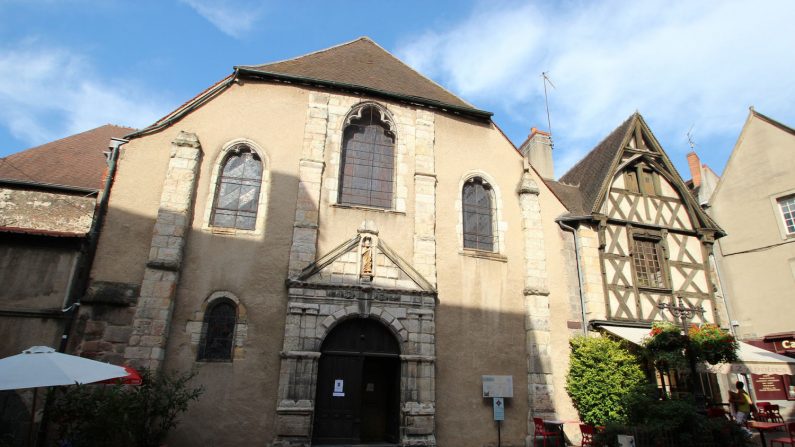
[
  {"x": 690, "y": 140},
  {"x": 546, "y": 101}
]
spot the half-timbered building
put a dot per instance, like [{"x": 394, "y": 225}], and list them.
[{"x": 642, "y": 241}]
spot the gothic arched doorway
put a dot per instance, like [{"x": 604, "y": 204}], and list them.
[{"x": 358, "y": 385}]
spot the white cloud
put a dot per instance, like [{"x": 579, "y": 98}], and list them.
[
  {"x": 679, "y": 62},
  {"x": 48, "y": 93},
  {"x": 233, "y": 17}
]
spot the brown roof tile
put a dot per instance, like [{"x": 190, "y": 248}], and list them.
[
  {"x": 365, "y": 64},
  {"x": 590, "y": 172},
  {"x": 77, "y": 160}
]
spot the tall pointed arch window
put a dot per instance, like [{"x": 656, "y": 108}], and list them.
[
  {"x": 478, "y": 208},
  {"x": 238, "y": 189},
  {"x": 368, "y": 159},
  {"x": 218, "y": 333}
]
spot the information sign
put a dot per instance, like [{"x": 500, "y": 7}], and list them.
[
  {"x": 499, "y": 409},
  {"x": 497, "y": 386},
  {"x": 769, "y": 387},
  {"x": 338, "y": 388}
]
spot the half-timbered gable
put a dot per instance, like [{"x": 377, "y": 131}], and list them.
[{"x": 652, "y": 240}]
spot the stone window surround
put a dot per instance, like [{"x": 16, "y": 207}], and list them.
[
  {"x": 500, "y": 225},
  {"x": 196, "y": 326},
  {"x": 774, "y": 201},
  {"x": 264, "y": 192},
  {"x": 334, "y": 148}
]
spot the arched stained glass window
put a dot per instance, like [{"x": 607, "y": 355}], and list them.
[
  {"x": 368, "y": 160},
  {"x": 237, "y": 193},
  {"x": 478, "y": 205},
  {"x": 218, "y": 334}
]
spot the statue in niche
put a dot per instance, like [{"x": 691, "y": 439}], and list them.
[{"x": 367, "y": 259}]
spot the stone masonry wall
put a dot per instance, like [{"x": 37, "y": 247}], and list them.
[
  {"x": 539, "y": 365},
  {"x": 156, "y": 301}
]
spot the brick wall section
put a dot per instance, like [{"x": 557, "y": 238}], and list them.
[
  {"x": 156, "y": 302},
  {"x": 539, "y": 366}
]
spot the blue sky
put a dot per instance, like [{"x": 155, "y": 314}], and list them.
[{"x": 70, "y": 65}]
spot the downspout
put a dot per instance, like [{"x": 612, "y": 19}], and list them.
[
  {"x": 723, "y": 289},
  {"x": 579, "y": 274},
  {"x": 79, "y": 281}
]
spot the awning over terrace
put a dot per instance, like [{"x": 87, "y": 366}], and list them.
[{"x": 752, "y": 360}]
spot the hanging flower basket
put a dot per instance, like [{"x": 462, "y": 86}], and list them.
[
  {"x": 712, "y": 344},
  {"x": 666, "y": 345}
]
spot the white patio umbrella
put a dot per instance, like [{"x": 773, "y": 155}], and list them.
[{"x": 41, "y": 366}]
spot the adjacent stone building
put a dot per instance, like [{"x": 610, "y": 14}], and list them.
[{"x": 48, "y": 198}]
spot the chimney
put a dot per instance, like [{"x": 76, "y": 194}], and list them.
[
  {"x": 537, "y": 149},
  {"x": 695, "y": 168}
]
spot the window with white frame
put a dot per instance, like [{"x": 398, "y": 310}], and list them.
[{"x": 787, "y": 206}]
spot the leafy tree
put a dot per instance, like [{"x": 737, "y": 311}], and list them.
[
  {"x": 124, "y": 415},
  {"x": 605, "y": 380}
]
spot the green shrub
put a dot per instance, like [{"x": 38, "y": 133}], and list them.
[
  {"x": 605, "y": 381},
  {"x": 123, "y": 415}
]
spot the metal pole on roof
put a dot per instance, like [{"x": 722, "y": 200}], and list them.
[{"x": 546, "y": 101}]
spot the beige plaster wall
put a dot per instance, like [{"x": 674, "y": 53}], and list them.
[
  {"x": 240, "y": 397},
  {"x": 755, "y": 258},
  {"x": 481, "y": 314}
]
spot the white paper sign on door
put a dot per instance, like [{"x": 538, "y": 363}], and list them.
[{"x": 338, "y": 390}]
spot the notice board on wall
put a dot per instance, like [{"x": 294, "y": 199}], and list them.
[
  {"x": 769, "y": 387},
  {"x": 497, "y": 386}
]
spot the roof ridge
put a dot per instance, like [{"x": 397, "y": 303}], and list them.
[
  {"x": 374, "y": 43},
  {"x": 772, "y": 121},
  {"x": 339, "y": 45},
  {"x": 584, "y": 157},
  {"x": 68, "y": 137},
  {"x": 420, "y": 74}
]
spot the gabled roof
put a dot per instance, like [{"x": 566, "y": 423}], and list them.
[
  {"x": 362, "y": 65},
  {"x": 590, "y": 173},
  {"x": 752, "y": 115},
  {"x": 594, "y": 174},
  {"x": 76, "y": 161}
]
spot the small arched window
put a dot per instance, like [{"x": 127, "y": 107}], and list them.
[
  {"x": 368, "y": 160},
  {"x": 478, "y": 207},
  {"x": 218, "y": 333},
  {"x": 238, "y": 189}
]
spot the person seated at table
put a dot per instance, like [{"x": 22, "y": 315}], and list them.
[{"x": 742, "y": 406}]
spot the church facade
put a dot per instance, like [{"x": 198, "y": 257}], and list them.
[{"x": 344, "y": 249}]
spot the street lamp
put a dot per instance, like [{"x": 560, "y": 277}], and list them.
[{"x": 684, "y": 314}]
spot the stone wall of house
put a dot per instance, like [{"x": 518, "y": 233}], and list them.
[{"x": 46, "y": 210}]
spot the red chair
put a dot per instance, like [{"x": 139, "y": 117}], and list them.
[
  {"x": 587, "y": 432},
  {"x": 762, "y": 411},
  {"x": 774, "y": 413},
  {"x": 788, "y": 440},
  {"x": 542, "y": 432}
]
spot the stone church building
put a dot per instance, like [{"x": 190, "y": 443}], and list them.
[{"x": 343, "y": 249}]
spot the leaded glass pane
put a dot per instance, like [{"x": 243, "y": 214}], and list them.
[
  {"x": 478, "y": 216},
  {"x": 219, "y": 332},
  {"x": 367, "y": 162},
  {"x": 237, "y": 196},
  {"x": 648, "y": 268}
]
